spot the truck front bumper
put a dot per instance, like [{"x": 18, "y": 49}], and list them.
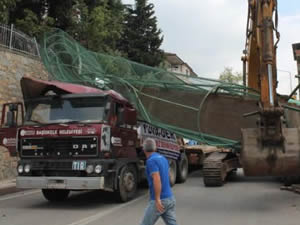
[{"x": 69, "y": 183}]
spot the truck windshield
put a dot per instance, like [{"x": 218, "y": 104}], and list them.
[{"x": 66, "y": 110}]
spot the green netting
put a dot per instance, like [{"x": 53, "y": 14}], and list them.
[{"x": 67, "y": 61}]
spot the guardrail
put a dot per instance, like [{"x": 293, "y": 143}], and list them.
[{"x": 18, "y": 41}]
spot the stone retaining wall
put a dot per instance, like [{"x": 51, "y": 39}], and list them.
[{"x": 13, "y": 66}]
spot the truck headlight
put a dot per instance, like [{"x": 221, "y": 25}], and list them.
[
  {"x": 27, "y": 168},
  {"x": 89, "y": 169},
  {"x": 98, "y": 169},
  {"x": 20, "y": 169}
]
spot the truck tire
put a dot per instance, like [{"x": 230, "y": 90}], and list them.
[
  {"x": 182, "y": 169},
  {"x": 127, "y": 183},
  {"x": 173, "y": 172},
  {"x": 55, "y": 195}
]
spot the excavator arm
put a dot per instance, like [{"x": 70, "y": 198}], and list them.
[
  {"x": 260, "y": 59},
  {"x": 261, "y": 51},
  {"x": 271, "y": 148}
]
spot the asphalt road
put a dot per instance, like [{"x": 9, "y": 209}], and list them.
[{"x": 245, "y": 201}]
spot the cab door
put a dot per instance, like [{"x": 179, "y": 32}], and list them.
[
  {"x": 123, "y": 136},
  {"x": 12, "y": 118}
]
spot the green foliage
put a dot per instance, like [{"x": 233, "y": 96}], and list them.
[
  {"x": 105, "y": 27},
  {"x": 32, "y": 25},
  {"x": 5, "y": 7},
  {"x": 229, "y": 76},
  {"x": 70, "y": 16},
  {"x": 78, "y": 21},
  {"x": 30, "y": 16},
  {"x": 96, "y": 24},
  {"x": 141, "y": 37}
]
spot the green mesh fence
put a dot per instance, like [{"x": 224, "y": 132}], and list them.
[{"x": 68, "y": 61}]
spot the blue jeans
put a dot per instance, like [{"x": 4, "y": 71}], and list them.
[{"x": 168, "y": 216}]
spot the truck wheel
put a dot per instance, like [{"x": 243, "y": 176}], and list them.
[
  {"x": 173, "y": 172},
  {"x": 55, "y": 195},
  {"x": 182, "y": 169},
  {"x": 127, "y": 184}
]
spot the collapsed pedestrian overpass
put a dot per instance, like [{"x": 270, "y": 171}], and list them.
[{"x": 206, "y": 110}]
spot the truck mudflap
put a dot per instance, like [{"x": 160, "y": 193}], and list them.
[
  {"x": 68, "y": 183},
  {"x": 277, "y": 160}
]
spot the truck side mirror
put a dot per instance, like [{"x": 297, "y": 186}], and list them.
[
  {"x": 130, "y": 116},
  {"x": 10, "y": 119},
  {"x": 107, "y": 108},
  {"x": 12, "y": 115},
  {"x": 120, "y": 115}
]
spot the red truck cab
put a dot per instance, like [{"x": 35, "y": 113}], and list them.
[{"x": 74, "y": 137}]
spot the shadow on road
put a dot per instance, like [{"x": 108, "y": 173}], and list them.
[{"x": 83, "y": 201}]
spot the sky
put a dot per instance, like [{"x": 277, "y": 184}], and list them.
[{"x": 210, "y": 35}]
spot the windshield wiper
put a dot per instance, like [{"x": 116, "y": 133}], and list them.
[
  {"x": 73, "y": 121},
  {"x": 85, "y": 122},
  {"x": 36, "y": 121}
]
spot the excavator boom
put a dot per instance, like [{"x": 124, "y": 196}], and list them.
[
  {"x": 272, "y": 148},
  {"x": 261, "y": 50}
]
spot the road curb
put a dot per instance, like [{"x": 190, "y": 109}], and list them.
[
  {"x": 9, "y": 190},
  {"x": 8, "y": 187}
]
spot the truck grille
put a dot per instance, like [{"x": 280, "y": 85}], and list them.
[
  {"x": 51, "y": 165},
  {"x": 59, "y": 147}
]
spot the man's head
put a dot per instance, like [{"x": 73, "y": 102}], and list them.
[{"x": 149, "y": 145}]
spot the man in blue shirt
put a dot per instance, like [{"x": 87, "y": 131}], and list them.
[{"x": 162, "y": 201}]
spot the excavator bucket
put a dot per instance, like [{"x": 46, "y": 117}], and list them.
[{"x": 277, "y": 160}]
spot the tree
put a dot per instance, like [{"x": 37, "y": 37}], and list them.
[
  {"x": 31, "y": 17},
  {"x": 105, "y": 26},
  {"x": 32, "y": 25},
  {"x": 141, "y": 38},
  {"x": 96, "y": 24},
  {"x": 6, "y": 6},
  {"x": 229, "y": 76}
]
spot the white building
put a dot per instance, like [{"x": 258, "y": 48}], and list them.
[{"x": 175, "y": 64}]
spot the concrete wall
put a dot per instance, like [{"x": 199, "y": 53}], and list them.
[{"x": 13, "y": 66}]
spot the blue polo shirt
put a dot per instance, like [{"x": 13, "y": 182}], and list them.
[{"x": 158, "y": 163}]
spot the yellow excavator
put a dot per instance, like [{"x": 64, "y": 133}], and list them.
[{"x": 272, "y": 146}]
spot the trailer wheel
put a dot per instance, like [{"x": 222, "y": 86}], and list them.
[
  {"x": 127, "y": 184},
  {"x": 182, "y": 169},
  {"x": 173, "y": 172},
  {"x": 55, "y": 195}
]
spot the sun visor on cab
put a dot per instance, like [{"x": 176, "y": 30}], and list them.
[{"x": 33, "y": 88}]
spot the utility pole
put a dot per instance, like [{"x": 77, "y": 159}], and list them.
[
  {"x": 296, "y": 50},
  {"x": 291, "y": 82}
]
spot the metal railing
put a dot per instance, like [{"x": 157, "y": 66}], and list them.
[{"x": 18, "y": 41}]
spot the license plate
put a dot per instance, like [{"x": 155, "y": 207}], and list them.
[
  {"x": 56, "y": 184},
  {"x": 79, "y": 165}
]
